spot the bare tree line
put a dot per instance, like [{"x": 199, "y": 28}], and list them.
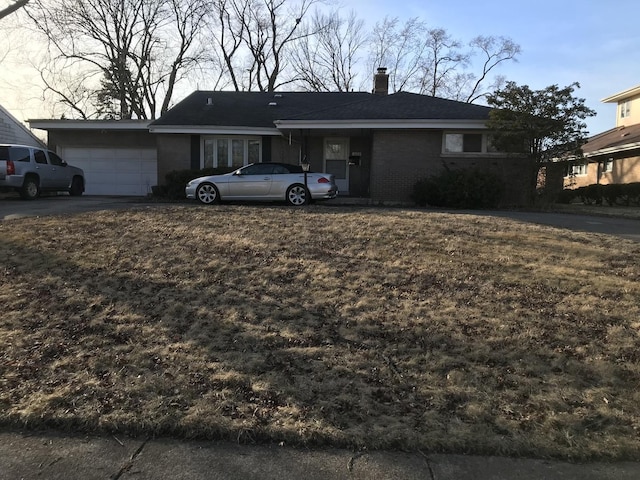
[{"x": 125, "y": 58}]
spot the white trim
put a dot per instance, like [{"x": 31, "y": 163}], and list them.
[
  {"x": 630, "y": 92},
  {"x": 214, "y": 130},
  {"x": 605, "y": 151},
  {"x": 90, "y": 124},
  {"x": 381, "y": 124}
]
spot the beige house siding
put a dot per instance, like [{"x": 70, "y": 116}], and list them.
[{"x": 625, "y": 170}]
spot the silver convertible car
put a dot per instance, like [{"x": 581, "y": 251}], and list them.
[{"x": 264, "y": 181}]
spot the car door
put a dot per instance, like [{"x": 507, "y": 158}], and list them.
[
  {"x": 44, "y": 169},
  {"x": 60, "y": 174},
  {"x": 251, "y": 182}
]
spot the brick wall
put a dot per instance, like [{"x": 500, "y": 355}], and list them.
[
  {"x": 400, "y": 159},
  {"x": 174, "y": 153}
]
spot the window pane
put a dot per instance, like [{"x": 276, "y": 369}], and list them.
[
  {"x": 237, "y": 153},
  {"x": 208, "y": 153},
  {"x": 337, "y": 168},
  {"x": 335, "y": 150},
  {"x": 254, "y": 151},
  {"x": 39, "y": 156},
  {"x": 223, "y": 152},
  {"x": 453, "y": 142},
  {"x": 54, "y": 159},
  {"x": 16, "y": 154},
  {"x": 472, "y": 142}
]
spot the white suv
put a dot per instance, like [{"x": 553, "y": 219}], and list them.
[{"x": 31, "y": 170}]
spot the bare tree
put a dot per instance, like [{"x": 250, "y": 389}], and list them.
[
  {"x": 327, "y": 60},
  {"x": 271, "y": 28},
  {"x": 135, "y": 51},
  {"x": 12, "y": 8},
  {"x": 227, "y": 30},
  {"x": 401, "y": 48},
  {"x": 431, "y": 61},
  {"x": 442, "y": 65},
  {"x": 494, "y": 51}
]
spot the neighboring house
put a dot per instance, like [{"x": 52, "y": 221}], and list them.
[
  {"x": 612, "y": 156},
  {"x": 376, "y": 144},
  {"x": 13, "y": 131}
]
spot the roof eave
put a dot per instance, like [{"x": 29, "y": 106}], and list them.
[
  {"x": 631, "y": 92},
  {"x": 214, "y": 130},
  {"x": 43, "y": 124},
  {"x": 612, "y": 150},
  {"x": 434, "y": 124}
]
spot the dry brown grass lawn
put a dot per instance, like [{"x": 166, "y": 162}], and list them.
[{"x": 376, "y": 328}]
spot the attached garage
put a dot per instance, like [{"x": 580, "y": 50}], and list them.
[
  {"x": 119, "y": 157},
  {"x": 115, "y": 171}
]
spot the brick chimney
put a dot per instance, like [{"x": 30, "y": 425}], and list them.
[{"x": 381, "y": 82}]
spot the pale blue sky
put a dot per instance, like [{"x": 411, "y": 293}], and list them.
[{"x": 593, "y": 42}]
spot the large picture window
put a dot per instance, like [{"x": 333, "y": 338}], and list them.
[
  {"x": 234, "y": 152},
  {"x": 465, "y": 143}
]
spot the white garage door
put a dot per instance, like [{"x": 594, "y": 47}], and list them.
[{"x": 115, "y": 171}]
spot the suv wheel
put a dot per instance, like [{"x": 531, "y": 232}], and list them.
[{"x": 30, "y": 189}]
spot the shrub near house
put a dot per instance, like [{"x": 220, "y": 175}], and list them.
[{"x": 460, "y": 189}]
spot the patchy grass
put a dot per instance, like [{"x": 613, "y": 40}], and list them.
[{"x": 376, "y": 328}]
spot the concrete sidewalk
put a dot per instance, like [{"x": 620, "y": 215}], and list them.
[{"x": 50, "y": 455}]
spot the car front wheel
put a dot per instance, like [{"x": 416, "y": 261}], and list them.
[
  {"x": 207, "y": 193},
  {"x": 297, "y": 195},
  {"x": 76, "y": 187}
]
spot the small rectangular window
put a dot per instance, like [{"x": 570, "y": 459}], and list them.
[
  {"x": 625, "y": 109},
  {"x": 608, "y": 166},
  {"x": 237, "y": 148},
  {"x": 463, "y": 143},
  {"x": 222, "y": 153},
  {"x": 208, "y": 153}
]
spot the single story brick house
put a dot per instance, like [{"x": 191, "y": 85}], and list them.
[{"x": 376, "y": 144}]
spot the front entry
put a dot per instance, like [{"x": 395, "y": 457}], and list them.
[{"x": 336, "y": 162}]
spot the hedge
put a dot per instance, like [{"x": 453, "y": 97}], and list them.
[
  {"x": 459, "y": 189},
  {"x": 614, "y": 194}
]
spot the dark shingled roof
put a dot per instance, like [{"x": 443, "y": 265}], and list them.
[
  {"x": 616, "y": 138},
  {"x": 261, "y": 109},
  {"x": 399, "y": 106}
]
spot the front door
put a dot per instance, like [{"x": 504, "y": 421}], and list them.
[{"x": 336, "y": 162}]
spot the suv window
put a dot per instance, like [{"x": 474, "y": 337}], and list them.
[
  {"x": 15, "y": 154},
  {"x": 55, "y": 159},
  {"x": 39, "y": 156}
]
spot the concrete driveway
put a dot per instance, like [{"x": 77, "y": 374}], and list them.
[{"x": 12, "y": 206}]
